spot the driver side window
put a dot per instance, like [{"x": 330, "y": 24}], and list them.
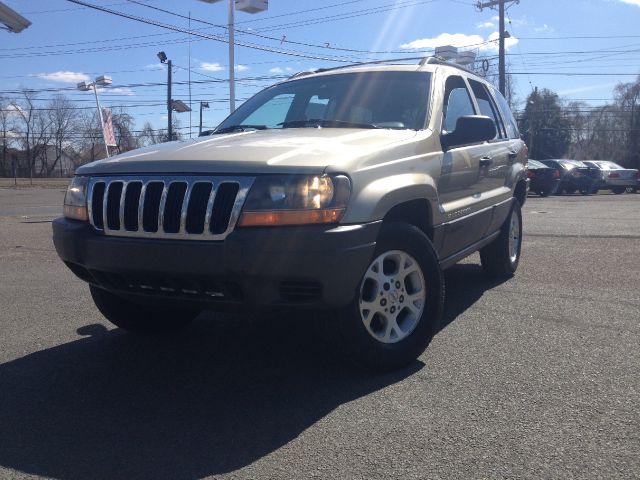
[{"x": 457, "y": 103}]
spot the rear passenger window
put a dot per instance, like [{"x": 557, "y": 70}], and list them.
[
  {"x": 457, "y": 103},
  {"x": 509, "y": 122},
  {"x": 487, "y": 107}
]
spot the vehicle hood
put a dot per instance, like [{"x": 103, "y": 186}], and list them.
[{"x": 305, "y": 150}]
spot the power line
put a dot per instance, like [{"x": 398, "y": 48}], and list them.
[{"x": 208, "y": 36}]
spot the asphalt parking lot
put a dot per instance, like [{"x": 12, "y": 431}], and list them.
[{"x": 535, "y": 377}]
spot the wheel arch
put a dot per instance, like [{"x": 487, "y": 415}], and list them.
[{"x": 408, "y": 197}]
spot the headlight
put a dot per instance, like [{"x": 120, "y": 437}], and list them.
[
  {"x": 75, "y": 201},
  {"x": 295, "y": 200}
]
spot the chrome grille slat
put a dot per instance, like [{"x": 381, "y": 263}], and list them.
[
  {"x": 123, "y": 195},
  {"x": 207, "y": 216},
  {"x": 105, "y": 222},
  {"x": 163, "y": 204},
  {"x": 185, "y": 207},
  {"x": 187, "y": 214},
  {"x": 141, "y": 207}
]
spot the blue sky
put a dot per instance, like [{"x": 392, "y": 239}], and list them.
[{"x": 67, "y": 44}]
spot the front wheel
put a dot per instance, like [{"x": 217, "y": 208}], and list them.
[
  {"x": 398, "y": 306},
  {"x": 501, "y": 257},
  {"x": 618, "y": 190},
  {"x": 138, "y": 318}
]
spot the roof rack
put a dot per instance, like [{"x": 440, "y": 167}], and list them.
[{"x": 432, "y": 60}]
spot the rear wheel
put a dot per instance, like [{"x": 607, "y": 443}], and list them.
[
  {"x": 618, "y": 190},
  {"x": 398, "y": 306},
  {"x": 501, "y": 257},
  {"x": 570, "y": 190},
  {"x": 544, "y": 192},
  {"x": 139, "y": 318}
]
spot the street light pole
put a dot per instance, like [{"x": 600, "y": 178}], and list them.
[
  {"x": 103, "y": 81},
  {"x": 248, "y": 6},
  {"x": 202, "y": 105}
]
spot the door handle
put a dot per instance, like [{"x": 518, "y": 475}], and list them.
[{"x": 485, "y": 162}]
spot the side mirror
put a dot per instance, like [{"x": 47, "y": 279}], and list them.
[{"x": 470, "y": 129}]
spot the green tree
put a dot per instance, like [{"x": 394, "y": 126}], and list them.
[{"x": 544, "y": 125}]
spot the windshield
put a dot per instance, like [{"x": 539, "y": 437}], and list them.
[
  {"x": 536, "y": 164},
  {"x": 609, "y": 166},
  {"x": 396, "y": 100},
  {"x": 569, "y": 164}
]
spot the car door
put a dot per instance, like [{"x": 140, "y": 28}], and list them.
[
  {"x": 463, "y": 175},
  {"x": 497, "y": 154}
]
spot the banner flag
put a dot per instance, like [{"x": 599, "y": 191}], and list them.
[{"x": 108, "y": 127}]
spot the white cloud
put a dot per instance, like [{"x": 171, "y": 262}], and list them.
[
  {"x": 486, "y": 25},
  {"x": 14, "y": 109},
  {"x": 632, "y": 2},
  {"x": 122, "y": 90},
  {"x": 64, "y": 77},
  {"x": 154, "y": 66},
  {"x": 280, "y": 70},
  {"x": 211, "y": 67},
  {"x": 241, "y": 68},
  {"x": 460, "y": 40}
]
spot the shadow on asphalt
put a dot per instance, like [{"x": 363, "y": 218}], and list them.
[
  {"x": 465, "y": 284},
  {"x": 210, "y": 400}
]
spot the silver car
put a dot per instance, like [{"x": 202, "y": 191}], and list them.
[{"x": 617, "y": 179}]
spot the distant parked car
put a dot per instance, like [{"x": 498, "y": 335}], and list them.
[
  {"x": 576, "y": 176},
  {"x": 616, "y": 178},
  {"x": 543, "y": 180}
]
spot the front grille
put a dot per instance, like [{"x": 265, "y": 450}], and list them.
[{"x": 193, "y": 208}]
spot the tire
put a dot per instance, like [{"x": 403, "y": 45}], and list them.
[
  {"x": 141, "y": 319},
  {"x": 501, "y": 257},
  {"x": 618, "y": 190},
  {"x": 570, "y": 190},
  {"x": 544, "y": 192},
  {"x": 585, "y": 191},
  {"x": 404, "y": 265}
]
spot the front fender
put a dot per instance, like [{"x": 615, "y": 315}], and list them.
[{"x": 378, "y": 197}]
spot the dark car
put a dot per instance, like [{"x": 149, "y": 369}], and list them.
[
  {"x": 575, "y": 176},
  {"x": 543, "y": 180}
]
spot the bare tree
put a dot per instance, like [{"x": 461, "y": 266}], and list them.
[{"x": 63, "y": 125}]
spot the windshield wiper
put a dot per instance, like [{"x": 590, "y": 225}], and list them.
[
  {"x": 316, "y": 122},
  {"x": 240, "y": 128}
]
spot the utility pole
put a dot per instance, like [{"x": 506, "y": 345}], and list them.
[
  {"x": 533, "y": 117},
  {"x": 501, "y": 64},
  {"x": 169, "y": 106}
]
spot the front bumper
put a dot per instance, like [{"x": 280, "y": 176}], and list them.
[{"x": 313, "y": 266}]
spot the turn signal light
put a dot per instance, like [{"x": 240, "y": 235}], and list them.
[
  {"x": 76, "y": 213},
  {"x": 614, "y": 175},
  {"x": 290, "y": 217},
  {"x": 556, "y": 173}
]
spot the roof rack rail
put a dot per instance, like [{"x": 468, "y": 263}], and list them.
[{"x": 432, "y": 60}]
